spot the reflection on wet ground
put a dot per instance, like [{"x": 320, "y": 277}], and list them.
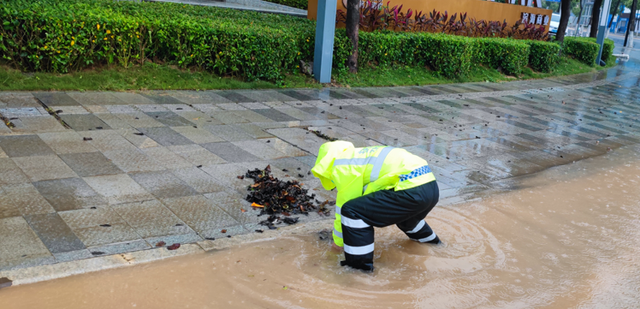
[{"x": 563, "y": 238}]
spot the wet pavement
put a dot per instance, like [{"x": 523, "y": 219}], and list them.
[
  {"x": 86, "y": 174},
  {"x": 563, "y": 238}
]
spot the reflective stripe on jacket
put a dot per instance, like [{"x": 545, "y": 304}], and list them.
[{"x": 359, "y": 171}]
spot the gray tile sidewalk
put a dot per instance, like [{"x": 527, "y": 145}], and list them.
[{"x": 134, "y": 169}]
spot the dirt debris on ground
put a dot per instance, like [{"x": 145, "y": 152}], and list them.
[
  {"x": 279, "y": 199},
  {"x": 322, "y": 135}
]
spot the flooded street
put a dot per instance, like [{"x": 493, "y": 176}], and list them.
[{"x": 564, "y": 238}]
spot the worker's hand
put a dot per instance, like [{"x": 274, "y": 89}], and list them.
[{"x": 335, "y": 248}]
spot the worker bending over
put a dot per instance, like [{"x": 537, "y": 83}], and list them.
[{"x": 377, "y": 186}]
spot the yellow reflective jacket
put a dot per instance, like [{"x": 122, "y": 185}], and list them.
[{"x": 355, "y": 172}]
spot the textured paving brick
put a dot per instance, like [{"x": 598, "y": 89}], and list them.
[
  {"x": 84, "y": 122},
  {"x": 229, "y": 133},
  {"x": 197, "y": 155},
  {"x": 152, "y": 219},
  {"x": 66, "y": 142},
  {"x": 55, "y": 99},
  {"x": 23, "y": 146},
  {"x": 166, "y": 136},
  {"x": 163, "y": 184},
  {"x": 44, "y": 167},
  {"x": 170, "y": 119},
  {"x": 118, "y": 189},
  {"x": 167, "y": 158},
  {"x": 10, "y": 173},
  {"x": 199, "y": 180},
  {"x": 25, "y": 198},
  {"x": 200, "y": 213},
  {"x": 90, "y": 164},
  {"x": 54, "y": 233},
  {"x": 134, "y": 160},
  {"x": 230, "y": 152},
  {"x": 275, "y": 115},
  {"x": 197, "y": 135},
  {"x": 20, "y": 246},
  {"x": 260, "y": 149},
  {"x": 69, "y": 194}
]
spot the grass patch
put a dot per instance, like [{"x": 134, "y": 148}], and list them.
[
  {"x": 416, "y": 76},
  {"x": 146, "y": 77},
  {"x": 369, "y": 76},
  {"x": 151, "y": 76}
]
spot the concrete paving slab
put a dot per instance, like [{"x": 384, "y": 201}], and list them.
[
  {"x": 68, "y": 194},
  {"x": 118, "y": 189},
  {"x": 163, "y": 184},
  {"x": 152, "y": 219},
  {"x": 95, "y": 98},
  {"x": 260, "y": 149},
  {"x": 20, "y": 246},
  {"x": 197, "y": 135},
  {"x": 90, "y": 164},
  {"x": 54, "y": 233},
  {"x": 199, "y": 180},
  {"x": 66, "y": 142},
  {"x": 55, "y": 99},
  {"x": 196, "y": 155},
  {"x": 44, "y": 167},
  {"x": 200, "y": 213},
  {"x": 84, "y": 122},
  {"x": 132, "y": 161},
  {"x": 167, "y": 158},
  {"x": 24, "y": 145},
  {"x": 170, "y": 119},
  {"x": 230, "y": 152},
  {"x": 229, "y": 133},
  {"x": 10, "y": 173},
  {"x": 165, "y": 136}
]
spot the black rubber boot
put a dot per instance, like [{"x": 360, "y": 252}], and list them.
[{"x": 366, "y": 267}]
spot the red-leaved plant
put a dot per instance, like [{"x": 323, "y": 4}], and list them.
[{"x": 374, "y": 16}]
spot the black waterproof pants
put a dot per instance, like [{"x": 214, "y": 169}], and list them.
[{"x": 406, "y": 209}]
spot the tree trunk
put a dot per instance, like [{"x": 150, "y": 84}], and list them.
[
  {"x": 631, "y": 26},
  {"x": 595, "y": 18},
  {"x": 613, "y": 13},
  {"x": 580, "y": 14},
  {"x": 353, "y": 25},
  {"x": 565, "y": 10}
]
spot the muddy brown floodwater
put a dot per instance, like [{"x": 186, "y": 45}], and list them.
[{"x": 564, "y": 238}]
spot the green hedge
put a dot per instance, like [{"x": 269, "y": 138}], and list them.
[
  {"x": 301, "y": 4},
  {"x": 63, "y": 35},
  {"x": 543, "y": 56},
  {"x": 447, "y": 55},
  {"x": 510, "y": 56},
  {"x": 607, "y": 51},
  {"x": 583, "y": 49}
]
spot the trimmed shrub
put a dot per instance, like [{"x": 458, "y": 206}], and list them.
[
  {"x": 582, "y": 49},
  {"x": 448, "y": 55},
  {"x": 543, "y": 56},
  {"x": 63, "y": 35},
  {"x": 607, "y": 51},
  {"x": 510, "y": 56},
  {"x": 300, "y": 4}
]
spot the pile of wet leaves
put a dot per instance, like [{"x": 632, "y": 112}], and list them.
[
  {"x": 280, "y": 200},
  {"x": 323, "y": 136}
]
